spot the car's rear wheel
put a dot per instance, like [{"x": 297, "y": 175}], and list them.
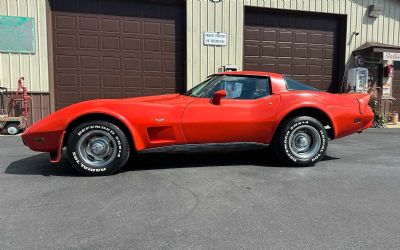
[
  {"x": 301, "y": 141},
  {"x": 98, "y": 148}
]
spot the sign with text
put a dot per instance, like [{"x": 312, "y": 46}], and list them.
[
  {"x": 17, "y": 34},
  {"x": 391, "y": 56},
  {"x": 215, "y": 38}
]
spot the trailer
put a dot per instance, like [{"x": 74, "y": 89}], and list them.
[{"x": 14, "y": 116}]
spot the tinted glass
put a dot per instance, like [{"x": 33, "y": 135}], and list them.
[
  {"x": 296, "y": 85},
  {"x": 236, "y": 87}
]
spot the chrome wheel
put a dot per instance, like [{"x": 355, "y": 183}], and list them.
[
  {"x": 97, "y": 148},
  {"x": 304, "y": 142}
]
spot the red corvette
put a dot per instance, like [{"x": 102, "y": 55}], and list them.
[{"x": 244, "y": 108}]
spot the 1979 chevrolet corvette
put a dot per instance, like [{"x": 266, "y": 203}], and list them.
[{"x": 243, "y": 107}]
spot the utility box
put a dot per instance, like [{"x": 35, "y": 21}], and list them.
[{"x": 357, "y": 80}]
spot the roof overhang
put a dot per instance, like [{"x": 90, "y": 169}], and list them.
[{"x": 370, "y": 47}]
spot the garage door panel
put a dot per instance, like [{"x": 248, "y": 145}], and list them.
[
  {"x": 89, "y": 95},
  {"x": 89, "y": 42},
  {"x": 300, "y": 70},
  {"x": 132, "y": 64},
  {"x": 300, "y": 52},
  {"x": 88, "y": 80},
  {"x": 65, "y": 41},
  {"x": 65, "y": 22},
  {"x": 131, "y": 81},
  {"x": 110, "y": 25},
  {"x": 301, "y": 37},
  {"x": 132, "y": 44},
  {"x": 251, "y": 66},
  {"x": 113, "y": 46},
  {"x": 284, "y": 51},
  {"x": 65, "y": 97},
  {"x": 269, "y": 50},
  {"x": 131, "y": 26},
  {"x": 88, "y": 23},
  {"x": 285, "y": 36},
  {"x": 252, "y": 34},
  {"x": 111, "y": 43},
  {"x": 252, "y": 50},
  {"x": 316, "y": 38}
]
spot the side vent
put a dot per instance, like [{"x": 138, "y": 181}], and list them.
[{"x": 161, "y": 134}]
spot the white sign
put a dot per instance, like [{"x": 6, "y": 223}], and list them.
[
  {"x": 391, "y": 56},
  {"x": 215, "y": 38}
]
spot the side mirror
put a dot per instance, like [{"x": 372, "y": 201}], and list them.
[{"x": 216, "y": 100}]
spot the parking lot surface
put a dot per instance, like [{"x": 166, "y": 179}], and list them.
[{"x": 219, "y": 200}]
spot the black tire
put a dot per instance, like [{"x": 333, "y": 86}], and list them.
[
  {"x": 301, "y": 141},
  {"x": 98, "y": 148},
  {"x": 12, "y": 129}
]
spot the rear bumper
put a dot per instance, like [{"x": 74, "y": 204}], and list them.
[{"x": 367, "y": 119}]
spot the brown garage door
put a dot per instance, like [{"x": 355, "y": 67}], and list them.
[
  {"x": 303, "y": 46},
  {"x": 116, "y": 48}
]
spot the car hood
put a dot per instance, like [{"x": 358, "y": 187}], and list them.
[
  {"x": 169, "y": 99},
  {"x": 135, "y": 108}
]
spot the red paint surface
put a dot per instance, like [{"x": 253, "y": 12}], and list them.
[{"x": 198, "y": 120}]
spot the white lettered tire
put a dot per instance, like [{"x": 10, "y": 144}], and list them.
[
  {"x": 97, "y": 148},
  {"x": 302, "y": 141}
]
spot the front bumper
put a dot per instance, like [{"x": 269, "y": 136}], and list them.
[{"x": 51, "y": 142}]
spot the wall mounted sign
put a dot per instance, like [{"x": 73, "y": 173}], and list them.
[
  {"x": 215, "y": 38},
  {"x": 391, "y": 56},
  {"x": 17, "y": 34}
]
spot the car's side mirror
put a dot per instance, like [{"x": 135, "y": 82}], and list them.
[{"x": 218, "y": 95}]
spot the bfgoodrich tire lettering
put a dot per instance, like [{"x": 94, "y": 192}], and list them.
[
  {"x": 302, "y": 141},
  {"x": 98, "y": 148}
]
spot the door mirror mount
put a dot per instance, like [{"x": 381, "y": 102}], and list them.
[{"x": 218, "y": 95}]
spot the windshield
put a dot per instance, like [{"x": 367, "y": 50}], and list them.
[
  {"x": 236, "y": 87},
  {"x": 201, "y": 88}
]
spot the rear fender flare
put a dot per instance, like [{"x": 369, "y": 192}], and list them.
[{"x": 287, "y": 113}]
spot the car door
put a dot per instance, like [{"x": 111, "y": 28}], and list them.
[{"x": 235, "y": 119}]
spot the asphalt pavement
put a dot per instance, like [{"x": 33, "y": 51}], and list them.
[{"x": 219, "y": 200}]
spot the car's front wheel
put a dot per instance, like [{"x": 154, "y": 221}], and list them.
[
  {"x": 98, "y": 148},
  {"x": 302, "y": 141}
]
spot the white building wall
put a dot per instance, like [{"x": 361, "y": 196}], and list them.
[{"x": 34, "y": 67}]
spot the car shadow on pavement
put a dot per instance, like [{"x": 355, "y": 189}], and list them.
[{"x": 39, "y": 164}]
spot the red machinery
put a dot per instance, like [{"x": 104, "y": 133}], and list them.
[{"x": 15, "y": 118}]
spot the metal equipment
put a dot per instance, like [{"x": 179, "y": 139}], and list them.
[
  {"x": 14, "y": 117},
  {"x": 357, "y": 79}
]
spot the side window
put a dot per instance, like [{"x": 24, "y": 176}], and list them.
[
  {"x": 296, "y": 85},
  {"x": 240, "y": 87},
  {"x": 255, "y": 88},
  {"x": 245, "y": 88}
]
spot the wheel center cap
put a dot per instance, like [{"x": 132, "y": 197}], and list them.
[
  {"x": 303, "y": 141},
  {"x": 98, "y": 148}
]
